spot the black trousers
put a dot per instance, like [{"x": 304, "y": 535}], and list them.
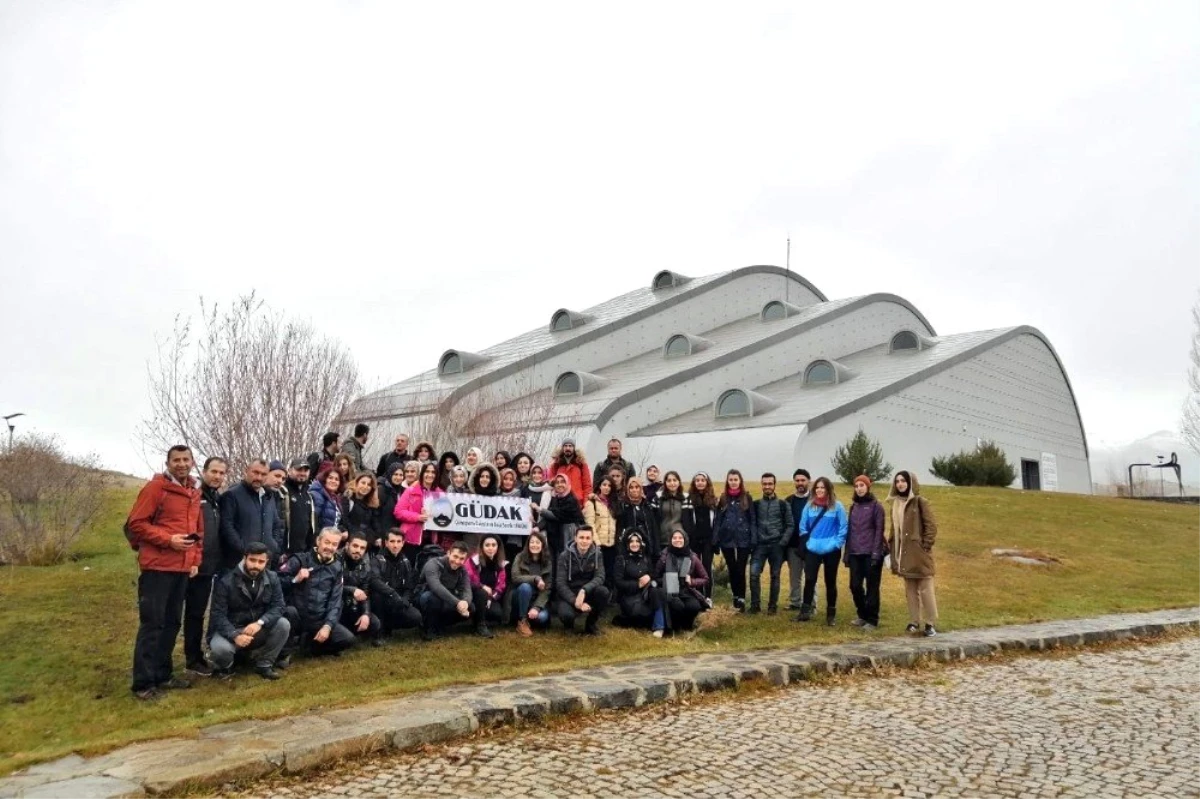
[
  {"x": 350, "y": 617},
  {"x": 303, "y": 631},
  {"x": 637, "y": 610},
  {"x": 160, "y": 615},
  {"x": 682, "y": 610},
  {"x": 598, "y": 598},
  {"x": 402, "y": 615},
  {"x": 737, "y": 560},
  {"x": 812, "y": 564},
  {"x": 705, "y": 550},
  {"x": 437, "y": 615},
  {"x": 865, "y": 576},
  {"x": 609, "y": 554},
  {"x": 195, "y": 605},
  {"x": 485, "y": 613}
]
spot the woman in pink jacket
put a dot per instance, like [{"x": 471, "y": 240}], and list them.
[{"x": 414, "y": 508}]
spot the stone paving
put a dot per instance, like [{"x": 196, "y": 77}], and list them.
[
  {"x": 1115, "y": 723},
  {"x": 250, "y": 750}
]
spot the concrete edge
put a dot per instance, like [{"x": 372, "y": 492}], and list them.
[{"x": 401, "y": 724}]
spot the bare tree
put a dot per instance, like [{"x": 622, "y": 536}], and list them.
[
  {"x": 46, "y": 498},
  {"x": 248, "y": 384},
  {"x": 1190, "y": 423}
]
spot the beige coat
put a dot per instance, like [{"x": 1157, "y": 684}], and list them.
[
  {"x": 911, "y": 534},
  {"x": 600, "y": 519}
]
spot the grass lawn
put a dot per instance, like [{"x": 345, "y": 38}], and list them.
[{"x": 68, "y": 630}]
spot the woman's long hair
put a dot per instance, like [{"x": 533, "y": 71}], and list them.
[
  {"x": 743, "y": 499},
  {"x": 706, "y": 498},
  {"x": 830, "y": 499}
]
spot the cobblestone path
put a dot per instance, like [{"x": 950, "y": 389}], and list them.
[{"x": 1117, "y": 723}]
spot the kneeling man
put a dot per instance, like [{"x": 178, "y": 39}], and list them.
[
  {"x": 246, "y": 618},
  {"x": 316, "y": 609},
  {"x": 580, "y": 583},
  {"x": 446, "y": 593}
]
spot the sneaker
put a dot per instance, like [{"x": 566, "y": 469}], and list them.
[
  {"x": 754, "y": 609},
  {"x": 148, "y": 695},
  {"x": 805, "y": 614},
  {"x": 831, "y": 621},
  {"x": 929, "y": 631},
  {"x": 483, "y": 631},
  {"x": 772, "y": 610},
  {"x": 739, "y": 604},
  {"x": 268, "y": 673},
  {"x": 283, "y": 663},
  {"x": 869, "y": 626},
  {"x": 912, "y": 629},
  {"x": 657, "y": 633},
  {"x": 524, "y": 629},
  {"x": 858, "y": 623},
  {"x": 224, "y": 675},
  {"x": 200, "y": 669},
  {"x": 175, "y": 684}
]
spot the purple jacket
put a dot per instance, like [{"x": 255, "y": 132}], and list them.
[{"x": 866, "y": 530}]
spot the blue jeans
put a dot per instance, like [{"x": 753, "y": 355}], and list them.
[
  {"x": 765, "y": 553},
  {"x": 525, "y": 594}
]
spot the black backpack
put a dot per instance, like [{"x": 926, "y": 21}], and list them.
[{"x": 424, "y": 555}]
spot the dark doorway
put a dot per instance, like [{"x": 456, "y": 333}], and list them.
[{"x": 1031, "y": 475}]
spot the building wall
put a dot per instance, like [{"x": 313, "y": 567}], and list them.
[{"x": 752, "y": 450}]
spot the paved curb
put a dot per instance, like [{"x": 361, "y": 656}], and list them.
[{"x": 249, "y": 749}]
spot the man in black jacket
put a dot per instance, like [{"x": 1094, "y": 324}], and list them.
[
  {"x": 329, "y": 449},
  {"x": 772, "y": 529},
  {"x": 796, "y": 546},
  {"x": 195, "y": 603},
  {"x": 248, "y": 616},
  {"x": 300, "y": 521},
  {"x": 398, "y": 455},
  {"x": 358, "y": 581},
  {"x": 614, "y": 459},
  {"x": 392, "y": 599},
  {"x": 316, "y": 608},
  {"x": 355, "y": 445},
  {"x": 579, "y": 581},
  {"x": 249, "y": 513},
  {"x": 446, "y": 591}
]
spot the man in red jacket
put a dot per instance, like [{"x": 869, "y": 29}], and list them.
[
  {"x": 570, "y": 461},
  {"x": 164, "y": 527}
]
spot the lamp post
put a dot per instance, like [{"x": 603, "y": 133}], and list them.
[{"x": 11, "y": 427}]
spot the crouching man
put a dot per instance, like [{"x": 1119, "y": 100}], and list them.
[
  {"x": 392, "y": 593},
  {"x": 359, "y": 577},
  {"x": 246, "y": 619},
  {"x": 316, "y": 610},
  {"x": 580, "y": 583},
  {"x": 446, "y": 591}
]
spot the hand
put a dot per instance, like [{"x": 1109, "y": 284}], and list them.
[
  {"x": 243, "y": 641},
  {"x": 379, "y": 543},
  {"x": 687, "y": 578},
  {"x": 643, "y": 581},
  {"x": 586, "y": 608},
  {"x": 424, "y": 516},
  {"x": 360, "y": 595},
  {"x": 579, "y": 600},
  {"x": 181, "y": 543},
  {"x": 301, "y": 576},
  {"x": 541, "y": 584},
  {"x": 323, "y": 634},
  {"x": 463, "y": 608},
  {"x": 251, "y": 629},
  {"x": 487, "y": 589},
  {"x": 532, "y": 614},
  {"x": 193, "y": 571},
  {"x": 364, "y": 621}
]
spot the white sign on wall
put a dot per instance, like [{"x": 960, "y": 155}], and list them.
[{"x": 1049, "y": 472}]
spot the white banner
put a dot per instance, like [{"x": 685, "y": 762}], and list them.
[
  {"x": 1049, "y": 472},
  {"x": 467, "y": 513}
]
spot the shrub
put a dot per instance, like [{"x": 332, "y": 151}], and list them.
[
  {"x": 860, "y": 455},
  {"x": 987, "y": 465},
  {"x": 46, "y": 498}
]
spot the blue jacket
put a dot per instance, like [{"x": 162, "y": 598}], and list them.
[
  {"x": 733, "y": 527},
  {"x": 325, "y": 508},
  {"x": 248, "y": 516},
  {"x": 828, "y": 534}
]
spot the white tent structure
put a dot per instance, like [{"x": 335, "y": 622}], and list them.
[{"x": 755, "y": 369}]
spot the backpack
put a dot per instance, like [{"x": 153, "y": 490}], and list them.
[
  {"x": 426, "y": 554},
  {"x": 130, "y": 536}
]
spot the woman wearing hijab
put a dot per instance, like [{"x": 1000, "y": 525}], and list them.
[
  {"x": 458, "y": 485},
  {"x": 668, "y": 506},
  {"x": 510, "y": 487},
  {"x": 390, "y": 489},
  {"x": 446, "y": 465},
  {"x": 484, "y": 482},
  {"x": 733, "y": 528},
  {"x": 472, "y": 459},
  {"x": 638, "y": 595},
  {"x": 683, "y": 579},
  {"x": 825, "y": 523},
  {"x": 597, "y": 512},
  {"x": 488, "y": 582},
  {"x": 561, "y": 516},
  {"x": 636, "y": 514},
  {"x": 699, "y": 514},
  {"x": 865, "y": 548},
  {"x": 913, "y": 533},
  {"x": 502, "y": 460}
]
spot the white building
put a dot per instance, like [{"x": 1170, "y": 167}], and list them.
[{"x": 756, "y": 369}]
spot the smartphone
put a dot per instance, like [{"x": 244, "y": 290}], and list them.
[{"x": 193, "y": 537}]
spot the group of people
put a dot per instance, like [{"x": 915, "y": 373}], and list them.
[{"x": 322, "y": 552}]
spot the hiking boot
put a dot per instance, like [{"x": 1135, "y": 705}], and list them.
[
  {"x": 483, "y": 631},
  {"x": 929, "y": 631},
  {"x": 912, "y": 629},
  {"x": 754, "y": 609},
  {"x": 175, "y": 684},
  {"x": 831, "y": 617},
  {"x": 772, "y": 610},
  {"x": 806, "y": 613},
  {"x": 268, "y": 673},
  {"x": 200, "y": 669},
  {"x": 151, "y": 694},
  {"x": 283, "y": 663},
  {"x": 523, "y": 628}
]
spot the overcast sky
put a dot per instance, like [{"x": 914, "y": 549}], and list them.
[{"x": 413, "y": 177}]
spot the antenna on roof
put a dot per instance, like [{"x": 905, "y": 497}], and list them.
[{"x": 788, "y": 261}]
